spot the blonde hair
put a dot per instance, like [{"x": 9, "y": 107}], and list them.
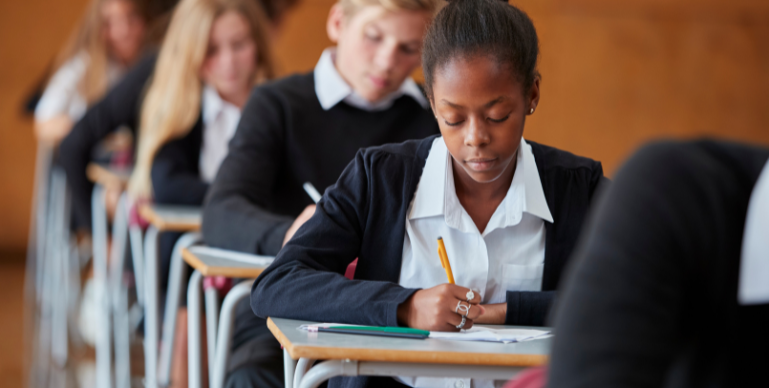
[
  {"x": 351, "y": 7},
  {"x": 172, "y": 102},
  {"x": 88, "y": 39}
]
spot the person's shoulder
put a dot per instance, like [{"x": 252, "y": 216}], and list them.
[
  {"x": 703, "y": 157},
  {"x": 414, "y": 149},
  {"x": 295, "y": 88},
  {"x": 550, "y": 158}
]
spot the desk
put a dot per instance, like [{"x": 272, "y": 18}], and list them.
[
  {"x": 107, "y": 176},
  {"x": 356, "y": 355},
  {"x": 215, "y": 262},
  {"x": 107, "y": 276},
  {"x": 163, "y": 218}
]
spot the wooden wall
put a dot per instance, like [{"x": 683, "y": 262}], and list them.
[{"x": 616, "y": 74}]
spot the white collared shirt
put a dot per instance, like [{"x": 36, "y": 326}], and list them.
[
  {"x": 62, "y": 95},
  {"x": 220, "y": 120},
  {"x": 754, "y": 265},
  {"x": 332, "y": 89},
  {"x": 508, "y": 256}
]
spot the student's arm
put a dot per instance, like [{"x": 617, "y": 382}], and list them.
[
  {"x": 175, "y": 175},
  {"x": 307, "y": 281},
  {"x": 60, "y": 102},
  {"x": 234, "y": 214},
  {"x": 119, "y": 107}
]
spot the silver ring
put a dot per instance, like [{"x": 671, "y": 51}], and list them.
[
  {"x": 463, "y": 308},
  {"x": 470, "y": 295},
  {"x": 462, "y": 324}
]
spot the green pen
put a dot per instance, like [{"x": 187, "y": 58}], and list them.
[{"x": 382, "y": 331}]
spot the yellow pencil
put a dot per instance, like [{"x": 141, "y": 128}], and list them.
[{"x": 445, "y": 260}]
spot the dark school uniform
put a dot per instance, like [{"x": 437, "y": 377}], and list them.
[
  {"x": 364, "y": 216},
  {"x": 653, "y": 297},
  {"x": 303, "y": 128}
]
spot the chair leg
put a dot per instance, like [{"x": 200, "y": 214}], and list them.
[
  {"x": 173, "y": 300},
  {"x": 224, "y": 340},
  {"x": 212, "y": 323},
  {"x": 103, "y": 340},
  {"x": 151, "y": 309},
  {"x": 194, "y": 369}
]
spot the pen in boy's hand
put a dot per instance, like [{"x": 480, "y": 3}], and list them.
[{"x": 311, "y": 191}]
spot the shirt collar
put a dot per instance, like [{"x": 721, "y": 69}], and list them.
[
  {"x": 754, "y": 266},
  {"x": 213, "y": 104},
  {"x": 436, "y": 195},
  {"x": 332, "y": 89}
]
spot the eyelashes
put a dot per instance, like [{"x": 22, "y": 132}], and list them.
[
  {"x": 454, "y": 124},
  {"x": 499, "y": 120}
]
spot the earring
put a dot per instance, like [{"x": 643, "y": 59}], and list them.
[{"x": 531, "y": 111}]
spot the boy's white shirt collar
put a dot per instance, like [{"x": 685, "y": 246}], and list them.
[
  {"x": 332, "y": 89},
  {"x": 754, "y": 266},
  {"x": 436, "y": 193}
]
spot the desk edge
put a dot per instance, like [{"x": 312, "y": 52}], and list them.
[{"x": 407, "y": 356}]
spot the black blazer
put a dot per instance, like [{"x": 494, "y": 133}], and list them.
[
  {"x": 364, "y": 214},
  {"x": 120, "y": 107},
  {"x": 176, "y": 170},
  {"x": 652, "y": 299}
]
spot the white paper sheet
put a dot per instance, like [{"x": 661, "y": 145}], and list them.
[{"x": 480, "y": 333}]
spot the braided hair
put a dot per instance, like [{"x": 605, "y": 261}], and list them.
[{"x": 466, "y": 28}]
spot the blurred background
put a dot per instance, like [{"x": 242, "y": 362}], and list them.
[{"x": 616, "y": 74}]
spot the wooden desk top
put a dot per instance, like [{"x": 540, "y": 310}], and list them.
[
  {"x": 172, "y": 218},
  {"x": 221, "y": 262},
  {"x": 332, "y": 346},
  {"x": 105, "y": 176}
]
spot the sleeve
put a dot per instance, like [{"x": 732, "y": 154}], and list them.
[
  {"x": 622, "y": 305},
  {"x": 119, "y": 107},
  {"x": 532, "y": 308},
  {"x": 175, "y": 176},
  {"x": 235, "y": 215},
  {"x": 61, "y": 95},
  {"x": 307, "y": 281}
]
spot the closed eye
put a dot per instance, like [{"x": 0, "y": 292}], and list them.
[
  {"x": 453, "y": 124},
  {"x": 499, "y": 120}
]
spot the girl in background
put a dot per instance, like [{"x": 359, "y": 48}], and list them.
[{"x": 109, "y": 40}]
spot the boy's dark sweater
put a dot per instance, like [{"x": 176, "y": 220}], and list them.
[{"x": 283, "y": 140}]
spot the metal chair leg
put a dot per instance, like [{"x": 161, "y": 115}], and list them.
[
  {"x": 222, "y": 351},
  {"x": 175, "y": 289},
  {"x": 103, "y": 340}
]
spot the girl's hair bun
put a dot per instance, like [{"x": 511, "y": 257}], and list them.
[{"x": 487, "y": 27}]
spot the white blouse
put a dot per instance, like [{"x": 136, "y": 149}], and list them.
[
  {"x": 220, "y": 120},
  {"x": 508, "y": 255},
  {"x": 62, "y": 94}
]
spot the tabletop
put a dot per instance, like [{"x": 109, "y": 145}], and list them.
[
  {"x": 172, "y": 218},
  {"x": 107, "y": 176},
  {"x": 327, "y": 346},
  {"x": 220, "y": 262}
]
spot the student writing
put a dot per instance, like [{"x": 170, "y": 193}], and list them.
[
  {"x": 508, "y": 210},
  {"x": 307, "y": 128}
]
